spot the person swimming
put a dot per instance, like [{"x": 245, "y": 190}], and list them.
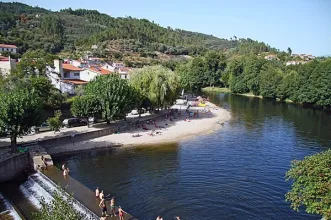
[{"x": 66, "y": 172}]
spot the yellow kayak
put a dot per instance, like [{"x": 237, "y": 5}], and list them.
[{"x": 202, "y": 105}]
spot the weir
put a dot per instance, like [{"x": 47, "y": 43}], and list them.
[
  {"x": 7, "y": 211},
  {"x": 84, "y": 196}
]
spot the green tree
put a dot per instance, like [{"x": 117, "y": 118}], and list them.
[
  {"x": 289, "y": 51},
  {"x": 35, "y": 63},
  {"x": 20, "y": 109},
  {"x": 270, "y": 79},
  {"x": 85, "y": 106},
  {"x": 115, "y": 96},
  {"x": 59, "y": 208},
  {"x": 311, "y": 186},
  {"x": 55, "y": 122},
  {"x": 158, "y": 84}
]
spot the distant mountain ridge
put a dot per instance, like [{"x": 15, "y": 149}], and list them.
[{"x": 71, "y": 30}]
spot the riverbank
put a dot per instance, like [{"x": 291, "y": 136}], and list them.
[
  {"x": 227, "y": 90},
  {"x": 164, "y": 130}
]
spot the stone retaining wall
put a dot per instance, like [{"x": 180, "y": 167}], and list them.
[{"x": 14, "y": 166}]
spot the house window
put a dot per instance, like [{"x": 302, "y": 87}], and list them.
[
  {"x": 66, "y": 75},
  {"x": 76, "y": 74},
  {"x": 125, "y": 76}
]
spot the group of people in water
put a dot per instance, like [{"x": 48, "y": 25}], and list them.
[{"x": 102, "y": 204}]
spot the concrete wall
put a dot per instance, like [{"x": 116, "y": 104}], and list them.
[
  {"x": 53, "y": 142},
  {"x": 14, "y": 166},
  {"x": 88, "y": 75}
]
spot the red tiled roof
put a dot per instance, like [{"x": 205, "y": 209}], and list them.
[
  {"x": 100, "y": 70},
  {"x": 70, "y": 67},
  {"x": 125, "y": 69},
  {"x": 2, "y": 58},
  {"x": 8, "y": 46},
  {"x": 75, "y": 81}
]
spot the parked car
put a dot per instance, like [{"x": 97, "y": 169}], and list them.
[
  {"x": 43, "y": 127},
  {"x": 73, "y": 122},
  {"x": 134, "y": 112}
]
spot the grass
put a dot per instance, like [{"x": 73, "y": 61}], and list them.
[{"x": 216, "y": 89}]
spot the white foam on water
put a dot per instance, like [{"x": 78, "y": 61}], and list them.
[
  {"x": 38, "y": 191},
  {"x": 29, "y": 196},
  {"x": 10, "y": 208},
  {"x": 45, "y": 186}
]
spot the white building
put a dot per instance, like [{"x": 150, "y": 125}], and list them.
[
  {"x": 294, "y": 62},
  {"x": 71, "y": 72},
  {"x": 8, "y": 48},
  {"x": 79, "y": 63},
  {"x": 6, "y": 65},
  {"x": 118, "y": 65},
  {"x": 65, "y": 77},
  {"x": 109, "y": 67},
  {"x": 124, "y": 72},
  {"x": 271, "y": 57},
  {"x": 93, "y": 71}
]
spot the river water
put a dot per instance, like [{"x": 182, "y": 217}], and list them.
[{"x": 236, "y": 172}]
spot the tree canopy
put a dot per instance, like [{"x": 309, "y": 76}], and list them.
[
  {"x": 158, "y": 84},
  {"x": 114, "y": 96},
  {"x": 311, "y": 186},
  {"x": 20, "y": 109}
]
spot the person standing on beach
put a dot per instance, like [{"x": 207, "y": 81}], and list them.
[
  {"x": 97, "y": 192},
  {"x": 112, "y": 207},
  {"x": 103, "y": 207},
  {"x": 63, "y": 167},
  {"x": 101, "y": 195},
  {"x": 120, "y": 213}
]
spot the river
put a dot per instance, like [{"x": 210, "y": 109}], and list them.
[{"x": 236, "y": 172}]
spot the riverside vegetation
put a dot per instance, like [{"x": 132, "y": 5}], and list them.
[{"x": 237, "y": 64}]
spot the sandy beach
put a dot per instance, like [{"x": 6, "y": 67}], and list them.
[{"x": 163, "y": 130}]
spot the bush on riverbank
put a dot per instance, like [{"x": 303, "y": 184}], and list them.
[{"x": 311, "y": 184}]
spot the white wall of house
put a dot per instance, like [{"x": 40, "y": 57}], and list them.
[
  {"x": 124, "y": 76},
  {"x": 71, "y": 74},
  {"x": 7, "y": 66},
  {"x": 88, "y": 75},
  {"x": 11, "y": 50},
  {"x": 108, "y": 67},
  {"x": 58, "y": 67}
]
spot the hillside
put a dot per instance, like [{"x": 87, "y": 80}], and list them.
[{"x": 71, "y": 31}]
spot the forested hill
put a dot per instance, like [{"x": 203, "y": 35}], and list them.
[{"x": 71, "y": 30}]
